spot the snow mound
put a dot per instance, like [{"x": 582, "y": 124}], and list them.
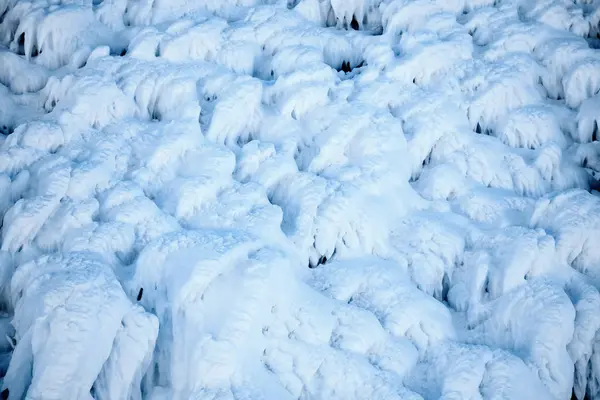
[{"x": 72, "y": 317}]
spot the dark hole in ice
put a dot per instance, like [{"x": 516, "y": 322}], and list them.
[
  {"x": 140, "y": 293},
  {"x": 21, "y": 43},
  {"x": 445, "y": 287},
  {"x": 427, "y": 159},
  {"x": 347, "y": 67},
  {"x": 354, "y": 24},
  {"x": 5, "y": 394},
  {"x": 478, "y": 128},
  {"x": 322, "y": 260},
  {"x": 486, "y": 286}
]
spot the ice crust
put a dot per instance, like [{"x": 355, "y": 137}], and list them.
[{"x": 299, "y": 199}]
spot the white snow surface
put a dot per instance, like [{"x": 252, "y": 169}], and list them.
[{"x": 299, "y": 199}]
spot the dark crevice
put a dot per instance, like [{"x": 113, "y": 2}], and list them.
[
  {"x": 21, "y": 43},
  {"x": 427, "y": 159},
  {"x": 347, "y": 67},
  {"x": 354, "y": 23},
  {"x": 586, "y": 396},
  {"x": 243, "y": 140},
  {"x": 485, "y": 286},
  {"x": 344, "y": 23},
  {"x": 479, "y": 129},
  {"x": 6, "y": 129},
  {"x": 322, "y": 260},
  {"x": 118, "y": 51},
  {"x": 594, "y": 184},
  {"x": 445, "y": 287},
  {"x": 332, "y": 21},
  {"x": 155, "y": 115}
]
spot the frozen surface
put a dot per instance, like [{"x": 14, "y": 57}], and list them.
[{"x": 299, "y": 199}]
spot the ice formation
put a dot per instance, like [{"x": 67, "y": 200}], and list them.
[{"x": 299, "y": 199}]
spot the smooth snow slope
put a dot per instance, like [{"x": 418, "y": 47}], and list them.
[{"x": 169, "y": 169}]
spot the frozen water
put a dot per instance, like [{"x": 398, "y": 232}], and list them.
[{"x": 299, "y": 199}]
